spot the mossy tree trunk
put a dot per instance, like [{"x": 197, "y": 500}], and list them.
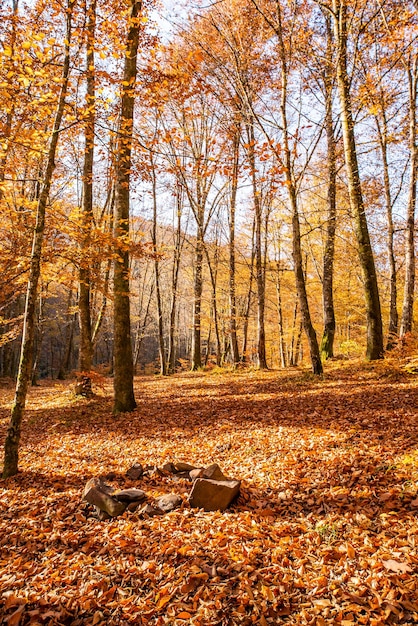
[{"x": 374, "y": 348}]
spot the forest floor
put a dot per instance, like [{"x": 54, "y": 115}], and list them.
[{"x": 324, "y": 532}]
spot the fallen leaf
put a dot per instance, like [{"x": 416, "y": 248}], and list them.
[{"x": 396, "y": 566}]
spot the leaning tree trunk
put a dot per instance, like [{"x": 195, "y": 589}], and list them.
[
  {"x": 124, "y": 399},
  {"x": 408, "y": 300},
  {"x": 11, "y": 448},
  {"x": 373, "y": 311}
]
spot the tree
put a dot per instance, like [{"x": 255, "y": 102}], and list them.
[
  {"x": 374, "y": 349},
  {"x": 11, "y": 449},
  {"x": 124, "y": 399},
  {"x": 84, "y": 298}
]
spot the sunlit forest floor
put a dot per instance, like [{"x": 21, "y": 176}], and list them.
[{"x": 324, "y": 531}]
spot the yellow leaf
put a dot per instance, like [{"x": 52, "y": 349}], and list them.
[
  {"x": 162, "y": 602},
  {"x": 184, "y": 615},
  {"x": 351, "y": 553}
]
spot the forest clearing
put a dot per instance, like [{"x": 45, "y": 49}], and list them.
[{"x": 324, "y": 530}]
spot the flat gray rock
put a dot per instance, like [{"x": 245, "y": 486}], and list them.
[{"x": 169, "y": 502}]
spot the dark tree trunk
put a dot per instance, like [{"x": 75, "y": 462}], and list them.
[
  {"x": 291, "y": 188},
  {"x": 160, "y": 325},
  {"x": 259, "y": 265},
  {"x": 327, "y": 343},
  {"x": 232, "y": 272},
  {"x": 84, "y": 304},
  {"x": 409, "y": 289},
  {"x": 124, "y": 399},
  {"x": 197, "y": 304},
  {"x": 171, "y": 359}
]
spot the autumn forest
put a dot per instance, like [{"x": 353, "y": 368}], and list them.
[{"x": 207, "y": 258}]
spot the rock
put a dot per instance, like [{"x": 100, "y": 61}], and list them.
[
  {"x": 213, "y": 495},
  {"x": 99, "y": 494},
  {"x": 150, "y": 511},
  {"x": 169, "y": 502},
  {"x": 181, "y": 476},
  {"x": 102, "y": 515},
  {"x": 196, "y": 473},
  {"x": 130, "y": 495},
  {"x": 110, "y": 476},
  {"x": 135, "y": 472},
  {"x": 180, "y": 466},
  {"x": 169, "y": 467},
  {"x": 213, "y": 472}
]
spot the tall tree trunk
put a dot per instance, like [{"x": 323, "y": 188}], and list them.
[
  {"x": 327, "y": 343},
  {"x": 84, "y": 304},
  {"x": 244, "y": 355},
  {"x": 291, "y": 188},
  {"x": 373, "y": 311},
  {"x": 161, "y": 347},
  {"x": 408, "y": 300},
  {"x": 197, "y": 303},
  {"x": 382, "y": 131},
  {"x": 171, "y": 359},
  {"x": 259, "y": 265},
  {"x": 282, "y": 342},
  {"x": 124, "y": 399},
  {"x": 213, "y": 272},
  {"x": 11, "y": 448},
  {"x": 232, "y": 272}
]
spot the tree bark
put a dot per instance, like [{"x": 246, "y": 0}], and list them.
[
  {"x": 84, "y": 304},
  {"x": 197, "y": 303},
  {"x": 291, "y": 188},
  {"x": 232, "y": 272},
  {"x": 11, "y": 448},
  {"x": 327, "y": 343},
  {"x": 373, "y": 311},
  {"x": 408, "y": 299},
  {"x": 259, "y": 265},
  {"x": 160, "y": 325},
  {"x": 171, "y": 359},
  {"x": 382, "y": 131},
  {"x": 124, "y": 399}
]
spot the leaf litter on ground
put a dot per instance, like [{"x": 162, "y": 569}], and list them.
[{"x": 324, "y": 530}]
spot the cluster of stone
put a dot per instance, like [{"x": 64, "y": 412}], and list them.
[{"x": 211, "y": 491}]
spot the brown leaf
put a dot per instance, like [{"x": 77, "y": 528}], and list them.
[{"x": 14, "y": 618}]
